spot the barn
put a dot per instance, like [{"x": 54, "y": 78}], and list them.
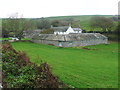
[{"x": 71, "y": 40}]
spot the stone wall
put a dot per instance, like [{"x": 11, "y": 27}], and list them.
[
  {"x": 72, "y": 43},
  {"x": 55, "y": 43}
]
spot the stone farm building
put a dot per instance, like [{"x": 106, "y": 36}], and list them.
[
  {"x": 70, "y": 40},
  {"x": 31, "y": 33}
]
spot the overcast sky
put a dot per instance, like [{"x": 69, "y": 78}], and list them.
[{"x": 46, "y": 8}]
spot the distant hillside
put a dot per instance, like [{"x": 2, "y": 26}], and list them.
[
  {"x": 82, "y": 20},
  {"x": 78, "y": 20},
  {"x": 78, "y": 17}
]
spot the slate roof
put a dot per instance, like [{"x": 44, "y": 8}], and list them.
[
  {"x": 70, "y": 37},
  {"x": 64, "y": 29},
  {"x": 60, "y": 29},
  {"x": 33, "y": 31}
]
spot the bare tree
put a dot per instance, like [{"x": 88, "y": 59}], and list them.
[
  {"x": 16, "y": 26},
  {"x": 43, "y": 23}
]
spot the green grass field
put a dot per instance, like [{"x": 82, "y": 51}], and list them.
[{"x": 96, "y": 67}]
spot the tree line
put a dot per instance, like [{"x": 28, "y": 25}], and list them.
[{"x": 15, "y": 26}]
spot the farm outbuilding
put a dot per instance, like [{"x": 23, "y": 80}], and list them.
[
  {"x": 31, "y": 33},
  {"x": 71, "y": 40}
]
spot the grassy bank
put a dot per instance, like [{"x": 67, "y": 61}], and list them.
[{"x": 90, "y": 67}]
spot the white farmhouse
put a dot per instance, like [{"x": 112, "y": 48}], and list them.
[{"x": 66, "y": 30}]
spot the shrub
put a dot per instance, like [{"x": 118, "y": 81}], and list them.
[{"x": 19, "y": 72}]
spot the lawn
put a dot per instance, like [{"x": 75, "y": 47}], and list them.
[{"x": 94, "y": 67}]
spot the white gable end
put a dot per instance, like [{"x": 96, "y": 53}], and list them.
[{"x": 69, "y": 30}]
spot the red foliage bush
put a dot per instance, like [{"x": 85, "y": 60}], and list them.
[{"x": 17, "y": 65}]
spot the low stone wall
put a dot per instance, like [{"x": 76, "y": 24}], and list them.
[
  {"x": 55, "y": 43},
  {"x": 72, "y": 43}
]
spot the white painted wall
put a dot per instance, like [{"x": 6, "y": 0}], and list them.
[
  {"x": 69, "y": 30},
  {"x": 78, "y": 32}
]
